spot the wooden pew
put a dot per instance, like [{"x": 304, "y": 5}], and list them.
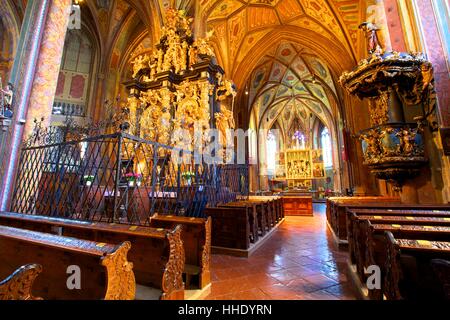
[
  {"x": 336, "y": 208},
  {"x": 276, "y": 206},
  {"x": 368, "y": 247},
  {"x": 233, "y": 227},
  {"x": 409, "y": 269},
  {"x": 104, "y": 268},
  {"x": 262, "y": 222},
  {"x": 358, "y": 215},
  {"x": 157, "y": 254},
  {"x": 337, "y": 220},
  {"x": 196, "y": 236},
  {"x": 266, "y": 206},
  {"x": 19, "y": 284}
]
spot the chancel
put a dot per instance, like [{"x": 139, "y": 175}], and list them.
[{"x": 224, "y": 150}]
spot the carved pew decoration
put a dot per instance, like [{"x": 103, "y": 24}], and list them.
[
  {"x": 401, "y": 94},
  {"x": 368, "y": 245},
  {"x": 105, "y": 272},
  {"x": 19, "y": 284},
  {"x": 442, "y": 270},
  {"x": 409, "y": 270},
  {"x": 196, "y": 237},
  {"x": 157, "y": 255}
]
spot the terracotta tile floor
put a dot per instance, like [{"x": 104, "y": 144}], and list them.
[{"x": 299, "y": 261}]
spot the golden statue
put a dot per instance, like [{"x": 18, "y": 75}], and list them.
[
  {"x": 407, "y": 141},
  {"x": 153, "y": 64},
  {"x": 139, "y": 63},
  {"x": 203, "y": 47},
  {"x": 193, "y": 56},
  {"x": 225, "y": 88},
  {"x": 224, "y": 122}
]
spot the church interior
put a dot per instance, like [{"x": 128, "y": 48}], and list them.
[{"x": 224, "y": 150}]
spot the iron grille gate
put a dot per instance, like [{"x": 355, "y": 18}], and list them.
[{"x": 121, "y": 178}]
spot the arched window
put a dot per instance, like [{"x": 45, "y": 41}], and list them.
[
  {"x": 298, "y": 140},
  {"x": 72, "y": 92},
  {"x": 271, "y": 151},
  {"x": 326, "y": 148}
]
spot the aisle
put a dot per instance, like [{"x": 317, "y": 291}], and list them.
[{"x": 298, "y": 262}]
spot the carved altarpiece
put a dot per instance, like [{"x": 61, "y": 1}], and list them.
[{"x": 179, "y": 86}]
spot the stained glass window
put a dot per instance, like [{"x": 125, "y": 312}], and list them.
[
  {"x": 326, "y": 148},
  {"x": 271, "y": 151}
]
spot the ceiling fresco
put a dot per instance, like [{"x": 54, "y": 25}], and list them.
[
  {"x": 290, "y": 82},
  {"x": 239, "y": 24}
]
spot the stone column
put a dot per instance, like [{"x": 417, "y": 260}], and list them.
[{"x": 36, "y": 74}]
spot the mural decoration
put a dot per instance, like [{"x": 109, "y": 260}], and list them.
[
  {"x": 45, "y": 79},
  {"x": 246, "y": 20}
]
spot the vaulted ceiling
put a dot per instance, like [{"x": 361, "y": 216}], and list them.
[
  {"x": 240, "y": 24},
  {"x": 289, "y": 84}
]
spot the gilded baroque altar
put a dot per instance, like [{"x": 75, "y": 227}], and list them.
[{"x": 178, "y": 88}]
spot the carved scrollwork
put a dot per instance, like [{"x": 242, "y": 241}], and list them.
[
  {"x": 173, "y": 273},
  {"x": 120, "y": 275},
  {"x": 19, "y": 284},
  {"x": 206, "y": 254},
  {"x": 392, "y": 269},
  {"x": 378, "y": 109}
]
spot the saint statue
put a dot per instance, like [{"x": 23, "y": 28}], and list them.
[
  {"x": 224, "y": 122},
  {"x": 373, "y": 44},
  {"x": 6, "y": 100}
]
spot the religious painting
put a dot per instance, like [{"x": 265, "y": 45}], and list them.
[
  {"x": 317, "y": 155},
  {"x": 318, "y": 170}
]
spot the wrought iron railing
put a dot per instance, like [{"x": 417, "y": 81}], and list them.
[{"x": 121, "y": 178}]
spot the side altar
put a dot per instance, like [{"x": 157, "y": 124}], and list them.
[
  {"x": 127, "y": 167},
  {"x": 178, "y": 91}
]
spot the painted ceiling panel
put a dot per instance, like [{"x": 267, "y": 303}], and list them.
[
  {"x": 320, "y": 11},
  {"x": 300, "y": 89},
  {"x": 308, "y": 23},
  {"x": 286, "y": 53},
  {"x": 321, "y": 70},
  {"x": 300, "y": 68},
  {"x": 224, "y": 9},
  {"x": 290, "y": 79},
  {"x": 289, "y": 9},
  {"x": 318, "y": 92},
  {"x": 278, "y": 71},
  {"x": 276, "y": 83},
  {"x": 260, "y": 17},
  {"x": 270, "y": 3},
  {"x": 283, "y": 91},
  {"x": 248, "y": 43},
  {"x": 236, "y": 32}
]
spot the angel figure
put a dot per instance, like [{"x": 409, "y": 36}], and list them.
[
  {"x": 193, "y": 56},
  {"x": 139, "y": 63},
  {"x": 407, "y": 141}
]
